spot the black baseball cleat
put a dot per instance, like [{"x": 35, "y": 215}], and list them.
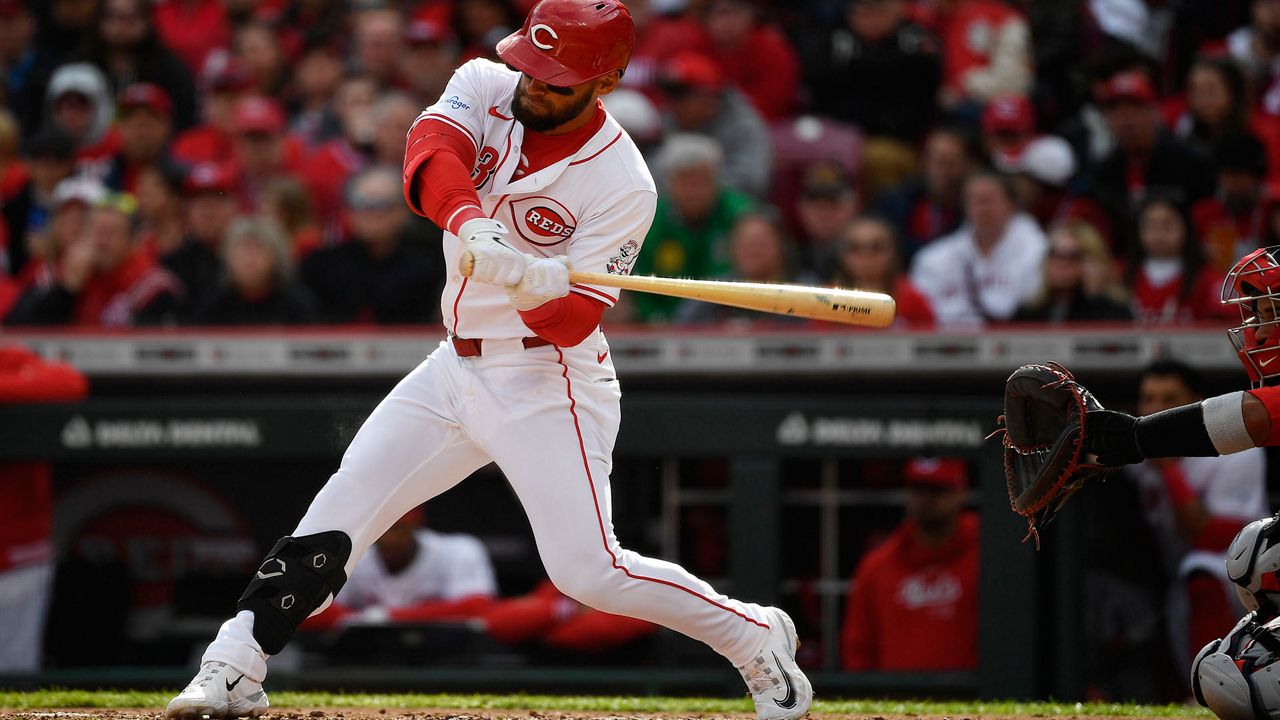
[{"x": 780, "y": 689}]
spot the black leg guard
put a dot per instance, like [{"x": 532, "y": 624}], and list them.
[{"x": 298, "y": 575}]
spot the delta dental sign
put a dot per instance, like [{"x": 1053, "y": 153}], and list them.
[
  {"x": 106, "y": 433},
  {"x": 797, "y": 430}
]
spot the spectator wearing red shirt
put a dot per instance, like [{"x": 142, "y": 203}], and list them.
[
  {"x": 1230, "y": 224},
  {"x": 73, "y": 198},
  {"x": 105, "y": 279},
  {"x": 754, "y": 56},
  {"x": 1008, "y": 125},
  {"x": 192, "y": 29},
  {"x": 659, "y": 38},
  {"x": 26, "y": 512},
  {"x": 913, "y": 601},
  {"x": 263, "y": 149},
  {"x": 986, "y": 48},
  {"x": 145, "y": 126},
  {"x": 379, "y": 45},
  {"x": 429, "y": 58},
  {"x": 257, "y": 49},
  {"x": 867, "y": 259},
  {"x": 327, "y": 170},
  {"x": 225, "y": 83},
  {"x": 1167, "y": 273}
]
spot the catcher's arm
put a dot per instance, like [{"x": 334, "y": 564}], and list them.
[{"x": 1220, "y": 425}]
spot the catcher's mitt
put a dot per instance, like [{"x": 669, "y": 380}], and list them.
[{"x": 1044, "y": 410}]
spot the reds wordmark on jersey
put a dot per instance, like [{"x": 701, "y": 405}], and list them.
[{"x": 594, "y": 206}]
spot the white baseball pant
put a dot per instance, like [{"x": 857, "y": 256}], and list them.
[{"x": 548, "y": 417}]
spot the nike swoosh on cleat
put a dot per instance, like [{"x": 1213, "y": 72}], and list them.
[
  {"x": 601, "y": 356},
  {"x": 231, "y": 685},
  {"x": 789, "y": 701}
]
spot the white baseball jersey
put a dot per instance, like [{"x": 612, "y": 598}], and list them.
[
  {"x": 447, "y": 567},
  {"x": 953, "y": 274},
  {"x": 547, "y": 415},
  {"x": 594, "y": 206}
]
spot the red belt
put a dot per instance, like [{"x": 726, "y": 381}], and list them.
[{"x": 466, "y": 347}]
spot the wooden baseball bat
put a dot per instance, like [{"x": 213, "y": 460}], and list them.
[{"x": 852, "y": 307}]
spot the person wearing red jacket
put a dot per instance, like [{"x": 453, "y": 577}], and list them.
[
  {"x": 913, "y": 601},
  {"x": 754, "y": 56},
  {"x": 26, "y": 512}
]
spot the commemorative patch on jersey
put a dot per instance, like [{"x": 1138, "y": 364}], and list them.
[
  {"x": 542, "y": 221},
  {"x": 621, "y": 263}
]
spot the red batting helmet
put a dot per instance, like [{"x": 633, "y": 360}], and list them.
[
  {"x": 568, "y": 42},
  {"x": 1253, "y": 285}
]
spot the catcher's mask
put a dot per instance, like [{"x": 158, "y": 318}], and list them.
[{"x": 1253, "y": 286}]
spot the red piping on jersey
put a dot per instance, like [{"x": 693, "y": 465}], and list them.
[
  {"x": 456, "y": 300},
  {"x": 463, "y": 288},
  {"x": 454, "y": 123},
  {"x": 585, "y": 289},
  {"x": 595, "y": 501},
  {"x": 593, "y": 156}
]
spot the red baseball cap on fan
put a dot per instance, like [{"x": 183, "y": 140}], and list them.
[
  {"x": 1009, "y": 113},
  {"x": 149, "y": 96},
  {"x": 209, "y": 177},
  {"x": 690, "y": 69},
  {"x": 949, "y": 473},
  {"x": 568, "y": 42},
  {"x": 259, "y": 115},
  {"x": 1132, "y": 85}
]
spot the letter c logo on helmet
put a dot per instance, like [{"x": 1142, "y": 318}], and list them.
[{"x": 533, "y": 36}]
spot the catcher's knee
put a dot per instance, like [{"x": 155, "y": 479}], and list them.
[
  {"x": 297, "y": 576},
  {"x": 1219, "y": 685}
]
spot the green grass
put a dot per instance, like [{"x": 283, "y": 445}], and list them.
[{"x": 54, "y": 698}]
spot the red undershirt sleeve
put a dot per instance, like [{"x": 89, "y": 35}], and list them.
[
  {"x": 564, "y": 321},
  {"x": 1270, "y": 398},
  {"x": 437, "y": 175}
]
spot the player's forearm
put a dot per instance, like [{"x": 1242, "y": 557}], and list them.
[
  {"x": 1221, "y": 425},
  {"x": 564, "y": 321}
]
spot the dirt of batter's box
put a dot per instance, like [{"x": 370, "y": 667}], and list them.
[{"x": 436, "y": 714}]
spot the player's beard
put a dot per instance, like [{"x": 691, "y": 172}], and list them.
[{"x": 551, "y": 121}]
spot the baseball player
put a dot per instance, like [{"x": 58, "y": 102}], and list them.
[{"x": 525, "y": 170}]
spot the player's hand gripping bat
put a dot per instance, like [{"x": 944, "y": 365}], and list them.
[{"x": 853, "y": 307}]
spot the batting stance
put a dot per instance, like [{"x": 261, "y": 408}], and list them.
[
  {"x": 1237, "y": 677},
  {"x": 525, "y": 170}
]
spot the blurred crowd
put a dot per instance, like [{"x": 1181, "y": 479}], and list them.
[{"x": 231, "y": 162}]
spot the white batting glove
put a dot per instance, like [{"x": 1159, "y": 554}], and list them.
[
  {"x": 545, "y": 279},
  {"x": 495, "y": 262}
]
